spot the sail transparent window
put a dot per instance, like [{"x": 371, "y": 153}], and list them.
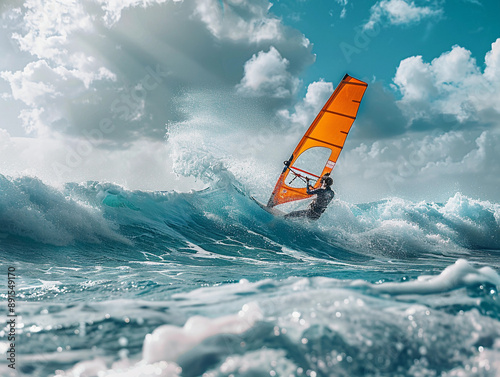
[{"x": 312, "y": 162}]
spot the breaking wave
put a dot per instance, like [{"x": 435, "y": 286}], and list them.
[{"x": 104, "y": 213}]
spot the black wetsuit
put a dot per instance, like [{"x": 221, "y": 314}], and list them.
[{"x": 323, "y": 197}]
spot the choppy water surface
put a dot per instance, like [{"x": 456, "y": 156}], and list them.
[{"x": 115, "y": 282}]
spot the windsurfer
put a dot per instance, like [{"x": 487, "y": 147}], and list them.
[{"x": 324, "y": 196}]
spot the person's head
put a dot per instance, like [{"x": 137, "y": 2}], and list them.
[{"x": 326, "y": 180}]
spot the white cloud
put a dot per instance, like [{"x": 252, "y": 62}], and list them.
[
  {"x": 316, "y": 96},
  {"x": 48, "y": 25},
  {"x": 39, "y": 80},
  {"x": 453, "y": 66},
  {"x": 414, "y": 79},
  {"x": 51, "y": 32},
  {"x": 399, "y": 12},
  {"x": 266, "y": 74},
  {"x": 83, "y": 63},
  {"x": 113, "y": 8},
  {"x": 422, "y": 166},
  {"x": 35, "y": 81},
  {"x": 240, "y": 20},
  {"x": 492, "y": 60},
  {"x": 45, "y": 87},
  {"x": 451, "y": 85}
]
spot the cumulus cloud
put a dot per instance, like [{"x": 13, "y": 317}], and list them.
[
  {"x": 39, "y": 86},
  {"x": 113, "y": 9},
  {"x": 99, "y": 80},
  {"x": 492, "y": 60},
  {"x": 399, "y": 12},
  {"x": 452, "y": 86},
  {"x": 441, "y": 137},
  {"x": 48, "y": 24},
  {"x": 266, "y": 74},
  {"x": 89, "y": 62},
  {"x": 225, "y": 21},
  {"x": 304, "y": 111},
  {"x": 422, "y": 166}
]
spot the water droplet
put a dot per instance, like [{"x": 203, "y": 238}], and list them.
[{"x": 123, "y": 341}]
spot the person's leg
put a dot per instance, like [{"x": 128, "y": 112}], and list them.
[
  {"x": 302, "y": 213},
  {"x": 313, "y": 215}
]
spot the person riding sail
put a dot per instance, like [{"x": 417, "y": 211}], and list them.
[{"x": 324, "y": 196}]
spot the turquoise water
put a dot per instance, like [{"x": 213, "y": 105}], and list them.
[{"x": 116, "y": 282}]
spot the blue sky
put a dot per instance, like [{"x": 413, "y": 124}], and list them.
[
  {"x": 329, "y": 24},
  {"x": 164, "y": 94}
]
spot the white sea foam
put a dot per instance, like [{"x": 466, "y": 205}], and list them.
[
  {"x": 459, "y": 275},
  {"x": 169, "y": 342}
]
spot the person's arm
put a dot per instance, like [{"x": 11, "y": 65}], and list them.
[
  {"x": 314, "y": 192},
  {"x": 310, "y": 192}
]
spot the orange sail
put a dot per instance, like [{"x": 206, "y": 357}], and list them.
[{"x": 318, "y": 150}]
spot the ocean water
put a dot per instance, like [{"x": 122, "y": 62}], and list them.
[{"x": 112, "y": 282}]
